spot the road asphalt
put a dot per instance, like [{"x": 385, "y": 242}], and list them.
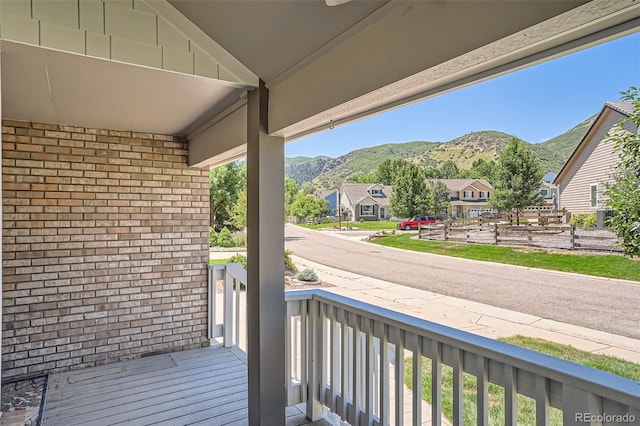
[{"x": 594, "y": 314}]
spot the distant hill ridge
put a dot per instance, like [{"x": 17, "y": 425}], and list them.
[{"x": 464, "y": 150}]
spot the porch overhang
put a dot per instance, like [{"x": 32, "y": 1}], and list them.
[{"x": 366, "y": 57}]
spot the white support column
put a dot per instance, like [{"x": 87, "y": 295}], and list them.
[{"x": 265, "y": 251}]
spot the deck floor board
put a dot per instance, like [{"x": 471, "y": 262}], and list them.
[{"x": 205, "y": 386}]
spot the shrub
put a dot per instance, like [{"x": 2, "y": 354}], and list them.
[
  {"x": 239, "y": 239},
  {"x": 307, "y": 275},
  {"x": 240, "y": 259},
  {"x": 288, "y": 263},
  {"x": 586, "y": 220},
  {"x": 213, "y": 237},
  {"x": 225, "y": 239}
]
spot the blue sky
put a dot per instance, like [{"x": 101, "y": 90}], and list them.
[{"x": 534, "y": 104}]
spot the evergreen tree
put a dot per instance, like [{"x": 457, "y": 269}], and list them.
[
  {"x": 518, "y": 178},
  {"x": 387, "y": 170}
]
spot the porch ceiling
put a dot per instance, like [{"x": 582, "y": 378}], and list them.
[
  {"x": 51, "y": 86},
  {"x": 328, "y": 66}
]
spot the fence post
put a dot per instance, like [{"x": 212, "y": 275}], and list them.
[
  {"x": 529, "y": 234},
  {"x": 419, "y": 231},
  {"x": 573, "y": 236},
  {"x": 495, "y": 233},
  {"x": 445, "y": 231}
]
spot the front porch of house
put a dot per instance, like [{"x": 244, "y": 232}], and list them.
[
  {"x": 200, "y": 386},
  {"x": 345, "y": 361},
  {"x": 112, "y": 111}
]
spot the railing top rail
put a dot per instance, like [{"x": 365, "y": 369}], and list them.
[
  {"x": 605, "y": 384},
  {"x": 236, "y": 270}
]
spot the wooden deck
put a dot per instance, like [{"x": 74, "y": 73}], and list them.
[{"x": 204, "y": 386}]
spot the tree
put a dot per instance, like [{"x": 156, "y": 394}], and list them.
[
  {"x": 409, "y": 196},
  {"x": 624, "y": 193},
  {"x": 366, "y": 178},
  {"x": 290, "y": 192},
  {"x": 483, "y": 169},
  {"x": 449, "y": 170},
  {"x": 225, "y": 182},
  {"x": 438, "y": 197},
  {"x": 239, "y": 211},
  {"x": 518, "y": 178},
  {"x": 386, "y": 171},
  {"x": 309, "y": 207}
]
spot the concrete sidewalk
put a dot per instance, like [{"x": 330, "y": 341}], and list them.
[{"x": 470, "y": 316}]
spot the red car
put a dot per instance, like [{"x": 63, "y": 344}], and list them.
[{"x": 415, "y": 221}]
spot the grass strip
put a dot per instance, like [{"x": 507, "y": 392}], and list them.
[
  {"x": 609, "y": 265},
  {"x": 526, "y": 406}
]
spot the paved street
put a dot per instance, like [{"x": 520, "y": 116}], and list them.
[{"x": 602, "y": 304}]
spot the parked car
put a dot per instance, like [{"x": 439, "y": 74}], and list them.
[{"x": 416, "y": 221}]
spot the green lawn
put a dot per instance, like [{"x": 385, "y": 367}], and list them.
[
  {"x": 610, "y": 266},
  {"x": 369, "y": 226},
  {"x": 526, "y": 406}
]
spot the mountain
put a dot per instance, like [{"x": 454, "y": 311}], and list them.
[{"x": 329, "y": 172}]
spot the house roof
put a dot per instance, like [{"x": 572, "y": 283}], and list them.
[
  {"x": 460, "y": 184},
  {"x": 624, "y": 108},
  {"x": 324, "y": 193},
  {"x": 356, "y": 192}
]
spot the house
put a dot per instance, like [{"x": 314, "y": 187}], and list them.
[
  {"x": 331, "y": 195},
  {"x": 113, "y": 111},
  {"x": 363, "y": 201},
  {"x": 468, "y": 197},
  {"x": 583, "y": 178},
  {"x": 549, "y": 193}
]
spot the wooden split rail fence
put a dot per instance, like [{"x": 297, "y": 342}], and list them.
[{"x": 544, "y": 236}]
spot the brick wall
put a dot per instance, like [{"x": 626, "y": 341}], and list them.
[{"x": 105, "y": 245}]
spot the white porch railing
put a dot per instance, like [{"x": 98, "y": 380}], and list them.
[{"x": 349, "y": 357}]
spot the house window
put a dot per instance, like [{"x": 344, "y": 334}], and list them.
[
  {"x": 484, "y": 195},
  {"x": 593, "y": 195},
  {"x": 544, "y": 193},
  {"x": 366, "y": 210},
  {"x": 376, "y": 192},
  {"x": 453, "y": 194},
  {"x": 468, "y": 194}
]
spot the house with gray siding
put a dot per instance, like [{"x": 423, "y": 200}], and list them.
[{"x": 583, "y": 179}]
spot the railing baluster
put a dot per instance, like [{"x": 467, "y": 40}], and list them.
[
  {"x": 414, "y": 343},
  {"x": 436, "y": 383},
  {"x": 287, "y": 354},
  {"x": 237, "y": 312},
  {"x": 398, "y": 340},
  {"x": 576, "y": 402},
  {"x": 542, "y": 401},
  {"x": 382, "y": 332},
  {"x": 304, "y": 350},
  {"x": 369, "y": 371},
  {"x": 483, "y": 391},
  {"x": 345, "y": 360},
  {"x": 458, "y": 387},
  {"x": 314, "y": 327},
  {"x": 227, "y": 337},
  {"x": 357, "y": 370},
  {"x": 510, "y": 395},
  {"x": 335, "y": 360}
]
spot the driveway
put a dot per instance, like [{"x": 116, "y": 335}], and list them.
[{"x": 602, "y": 304}]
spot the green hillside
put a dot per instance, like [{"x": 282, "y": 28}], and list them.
[{"x": 464, "y": 150}]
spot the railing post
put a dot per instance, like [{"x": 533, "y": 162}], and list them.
[
  {"x": 314, "y": 360},
  {"x": 227, "y": 311}
]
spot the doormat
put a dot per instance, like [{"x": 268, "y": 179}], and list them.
[{"x": 23, "y": 401}]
